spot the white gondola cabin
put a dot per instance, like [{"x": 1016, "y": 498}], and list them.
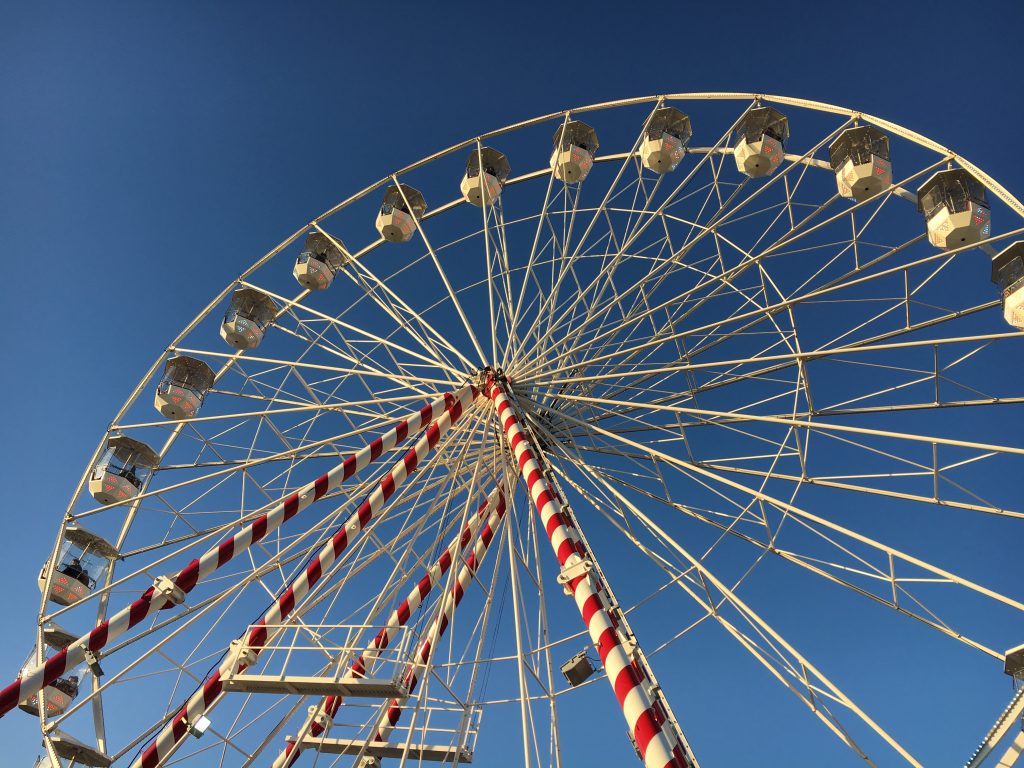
[
  {"x": 402, "y": 207},
  {"x": 183, "y": 387},
  {"x": 761, "y": 142},
  {"x": 955, "y": 207},
  {"x": 123, "y": 468},
  {"x": 59, "y": 694},
  {"x": 665, "y": 140},
  {"x": 248, "y": 316},
  {"x": 860, "y": 161},
  {"x": 1008, "y": 274},
  {"x": 319, "y": 262},
  {"x": 574, "y": 145},
  {"x": 83, "y": 561},
  {"x": 478, "y": 187}
]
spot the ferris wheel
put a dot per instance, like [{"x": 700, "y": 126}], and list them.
[{"x": 708, "y": 399}]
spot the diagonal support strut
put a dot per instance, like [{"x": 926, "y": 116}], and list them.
[{"x": 658, "y": 739}]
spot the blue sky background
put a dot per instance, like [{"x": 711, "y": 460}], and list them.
[{"x": 149, "y": 152}]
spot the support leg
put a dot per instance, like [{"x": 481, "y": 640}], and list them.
[
  {"x": 436, "y": 630},
  {"x": 320, "y": 716},
  {"x": 657, "y": 739}
]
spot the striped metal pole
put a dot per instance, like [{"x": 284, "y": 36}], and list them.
[
  {"x": 656, "y": 740},
  {"x": 314, "y": 725},
  {"x": 204, "y": 699},
  {"x": 151, "y": 601},
  {"x": 441, "y": 621}
]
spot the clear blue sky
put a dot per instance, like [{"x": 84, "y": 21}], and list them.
[{"x": 149, "y": 151}]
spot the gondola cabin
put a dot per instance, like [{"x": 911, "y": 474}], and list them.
[
  {"x": 83, "y": 561},
  {"x": 955, "y": 208},
  {"x": 761, "y": 142},
  {"x": 1008, "y": 274},
  {"x": 58, "y": 695},
  {"x": 665, "y": 140},
  {"x": 319, "y": 262},
  {"x": 123, "y": 468},
  {"x": 248, "y": 316},
  {"x": 486, "y": 172},
  {"x": 860, "y": 161},
  {"x": 574, "y": 146},
  {"x": 401, "y": 208},
  {"x": 183, "y": 387}
]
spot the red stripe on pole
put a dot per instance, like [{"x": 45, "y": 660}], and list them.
[
  {"x": 348, "y": 467},
  {"x": 606, "y": 642},
  {"x": 258, "y": 636},
  {"x": 313, "y": 570},
  {"x": 340, "y": 541},
  {"x": 565, "y": 550},
  {"x": 517, "y": 438},
  {"x": 433, "y": 435},
  {"x": 287, "y": 600},
  {"x": 188, "y": 577},
  {"x": 376, "y": 448},
  {"x": 291, "y": 506},
  {"x": 226, "y": 550},
  {"x": 387, "y": 487},
  {"x": 645, "y": 729},
  {"x": 212, "y": 688},
  {"x": 259, "y": 529},
  {"x": 11, "y": 695},
  {"x": 320, "y": 486},
  {"x": 140, "y": 608},
  {"x": 525, "y": 458},
  {"x": 590, "y": 606},
  {"x": 365, "y": 512},
  {"x": 180, "y": 723},
  {"x": 411, "y": 461},
  {"x": 624, "y": 683}
]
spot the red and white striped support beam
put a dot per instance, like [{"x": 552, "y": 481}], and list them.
[
  {"x": 441, "y": 621},
  {"x": 655, "y": 738},
  {"x": 315, "y": 723},
  {"x": 249, "y": 648},
  {"x": 150, "y": 602}
]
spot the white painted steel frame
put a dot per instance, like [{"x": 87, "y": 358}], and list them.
[{"x": 435, "y": 350}]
